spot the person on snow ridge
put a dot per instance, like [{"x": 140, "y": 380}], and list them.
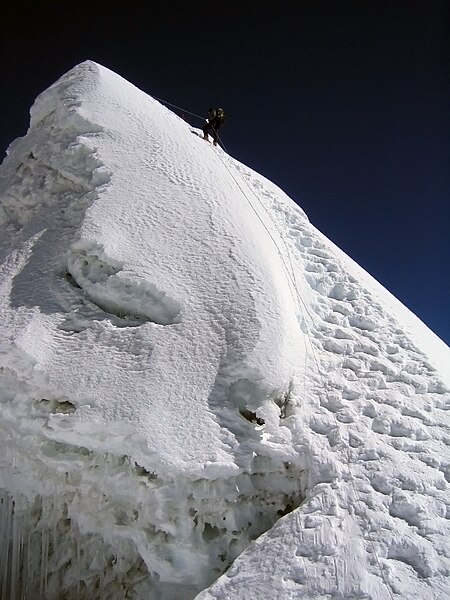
[{"x": 216, "y": 118}]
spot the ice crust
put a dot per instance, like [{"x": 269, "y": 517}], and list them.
[{"x": 187, "y": 363}]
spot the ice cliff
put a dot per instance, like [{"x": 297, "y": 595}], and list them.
[{"x": 187, "y": 365}]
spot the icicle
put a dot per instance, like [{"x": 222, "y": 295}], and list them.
[
  {"x": 28, "y": 573},
  {"x": 15, "y": 552},
  {"x": 54, "y": 529},
  {"x": 21, "y": 578},
  {"x": 44, "y": 562},
  {"x": 6, "y": 526},
  {"x": 77, "y": 563},
  {"x": 25, "y": 574},
  {"x": 35, "y": 559}
]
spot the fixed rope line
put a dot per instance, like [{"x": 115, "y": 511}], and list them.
[
  {"x": 289, "y": 269},
  {"x": 183, "y": 110}
]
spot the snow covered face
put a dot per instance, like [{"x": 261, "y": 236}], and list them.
[{"x": 184, "y": 359}]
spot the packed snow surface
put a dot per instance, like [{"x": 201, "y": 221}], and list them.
[{"x": 188, "y": 365}]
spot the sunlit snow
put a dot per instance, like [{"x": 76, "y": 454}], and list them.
[{"x": 201, "y": 396}]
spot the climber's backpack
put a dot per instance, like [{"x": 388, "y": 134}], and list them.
[{"x": 220, "y": 115}]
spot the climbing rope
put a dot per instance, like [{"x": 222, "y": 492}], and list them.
[
  {"x": 289, "y": 268},
  {"x": 183, "y": 110}
]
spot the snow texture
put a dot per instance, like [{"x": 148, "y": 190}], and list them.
[{"x": 201, "y": 396}]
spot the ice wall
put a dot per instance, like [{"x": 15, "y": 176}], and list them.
[
  {"x": 145, "y": 359},
  {"x": 187, "y": 363}
]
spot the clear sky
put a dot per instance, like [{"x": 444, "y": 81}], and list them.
[{"x": 344, "y": 104}]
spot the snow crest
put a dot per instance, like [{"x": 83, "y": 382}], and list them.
[
  {"x": 187, "y": 364},
  {"x": 119, "y": 293}
]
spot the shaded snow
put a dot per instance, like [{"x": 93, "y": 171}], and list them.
[{"x": 186, "y": 363}]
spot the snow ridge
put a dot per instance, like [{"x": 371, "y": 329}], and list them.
[{"x": 187, "y": 363}]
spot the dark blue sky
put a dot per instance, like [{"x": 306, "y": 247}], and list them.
[{"x": 345, "y": 105}]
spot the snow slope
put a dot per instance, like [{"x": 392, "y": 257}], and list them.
[{"x": 187, "y": 363}]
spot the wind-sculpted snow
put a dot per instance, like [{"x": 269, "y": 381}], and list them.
[
  {"x": 187, "y": 363},
  {"x": 118, "y": 292}
]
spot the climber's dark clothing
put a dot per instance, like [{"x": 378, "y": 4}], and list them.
[{"x": 216, "y": 118}]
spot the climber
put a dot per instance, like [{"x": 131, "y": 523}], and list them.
[{"x": 215, "y": 120}]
